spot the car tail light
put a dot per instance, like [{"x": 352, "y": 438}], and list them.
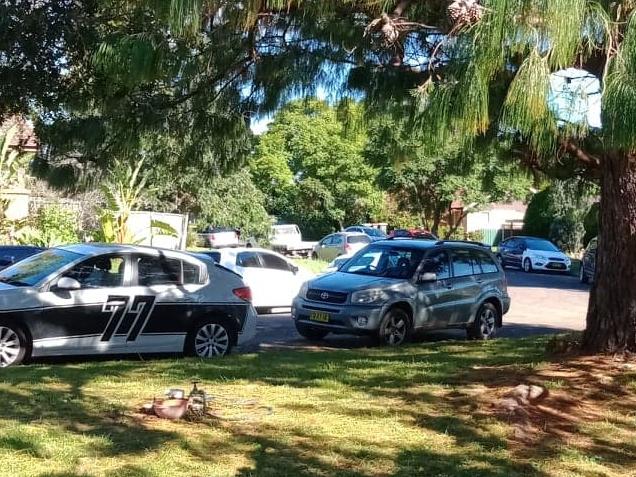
[
  {"x": 347, "y": 247},
  {"x": 212, "y": 237},
  {"x": 244, "y": 293}
]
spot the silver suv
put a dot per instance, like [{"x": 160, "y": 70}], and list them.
[{"x": 394, "y": 287}]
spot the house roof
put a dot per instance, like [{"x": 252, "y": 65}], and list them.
[{"x": 25, "y": 138}]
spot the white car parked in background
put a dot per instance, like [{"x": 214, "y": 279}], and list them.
[
  {"x": 273, "y": 279},
  {"x": 532, "y": 253}
]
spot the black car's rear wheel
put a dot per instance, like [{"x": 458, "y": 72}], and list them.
[
  {"x": 485, "y": 325},
  {"x": 14, "y": 344},
  {"x": 395, "y": 328},
  {"x": 310, "y": 332},
  {"x": 209, "y": 339}
]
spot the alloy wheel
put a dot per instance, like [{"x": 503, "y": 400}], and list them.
[
  {"x": 211, "y": 340},
  {"x": 395, "y": 330},
  {"x": 487, "y": 322},
  {"x": 9, "y": 346}
]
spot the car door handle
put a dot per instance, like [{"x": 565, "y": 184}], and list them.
[{"x": 446, "y": 284}]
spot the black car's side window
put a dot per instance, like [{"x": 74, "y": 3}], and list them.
[
  {"x": 248, "y": 260},
  {"x": 158, "y": 271},
  {"x": 274, "y": 262},
  {"x": 191, "y": 274},
  {"x": 438, "y": 263},
  {"x": 462, "y": 263},
  {"x": 99, "y": 272}
]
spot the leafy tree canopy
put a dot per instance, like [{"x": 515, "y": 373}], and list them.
[
  {"x": 426, "y": 180},
  {"x": 309, "y": 162}
]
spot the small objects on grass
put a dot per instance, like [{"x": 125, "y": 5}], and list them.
[
  {"x": 521, "y": 396},
  {"x": 172, "y": 409}
]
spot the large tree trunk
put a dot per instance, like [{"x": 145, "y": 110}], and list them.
[{"x": 611, "y": 318}]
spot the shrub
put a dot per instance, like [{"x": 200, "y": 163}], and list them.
[
  {"x": 559, "y": 213},
  {"x": 51, "y": 226}
]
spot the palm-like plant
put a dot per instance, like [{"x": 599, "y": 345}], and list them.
[
  {"x": 12, "y": 161},
  {"x": 123, "y": 191}
]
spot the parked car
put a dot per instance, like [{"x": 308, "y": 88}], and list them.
[
  {"x": 10, "y": 254},
  {"x": 413, "y": 233},
  {"x": 273, "y": 279},
  {"x": 215, "y": 237},
  {"x": 393, "y": 288},
  {"x": 588, "y": 262},
  {"x": 340, "y": 243},
  {"x": 338, "y": 262},
  {"x": 92, "y": 299},
  {"x": 373, "y": 233},
  {"x": 532, "y": 253},
  {"x": 288, "y": 240}
]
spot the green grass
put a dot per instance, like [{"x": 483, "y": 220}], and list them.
[
  {"x": 413, "y": 411},
  {"x": 315, "y": 266}
]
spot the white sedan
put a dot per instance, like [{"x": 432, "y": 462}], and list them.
[
  {"x": 273, "y": 279},
  {"x": 89, "y": 299}
]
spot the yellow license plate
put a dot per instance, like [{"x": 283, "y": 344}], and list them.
[{"x": 319, "y": 316}]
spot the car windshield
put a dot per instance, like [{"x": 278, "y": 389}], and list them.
[
  {"x": 383, "y": 261},
  {"x": 374, "y": 232},
  {"x": 541, "y": 245},
  {"x": 31, "y": 271}
]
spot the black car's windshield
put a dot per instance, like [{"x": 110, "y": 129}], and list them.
[
  {"x": 541, "y": 245},
  {"x": 385, "y": 261},
  {"x": 31, "y": 271}
]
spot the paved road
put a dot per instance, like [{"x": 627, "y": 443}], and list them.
[{"x": 541, "y": 303}]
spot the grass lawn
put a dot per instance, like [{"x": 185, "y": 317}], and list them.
[
  {"x": 315, "y": 266},
  {"x": 422, "y": 410}
]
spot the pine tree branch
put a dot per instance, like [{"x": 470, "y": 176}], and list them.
[{"x": 585, "y": 158}]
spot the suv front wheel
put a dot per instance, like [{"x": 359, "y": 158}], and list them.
[
  {"x": 485, "y": 324},
  {"x": 395, "y": 328}
]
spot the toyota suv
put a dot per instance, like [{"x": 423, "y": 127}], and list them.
[{"x": 394, "y": 287}]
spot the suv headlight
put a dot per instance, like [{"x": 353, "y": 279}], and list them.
[
  {"x": 368, "y": 297},
  {"x": 303, "y": 290}
]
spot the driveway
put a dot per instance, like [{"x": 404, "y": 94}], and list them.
[{"x": 541, "y": 303}]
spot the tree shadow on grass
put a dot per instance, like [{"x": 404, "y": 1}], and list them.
[
  {"x": 403, "y": 376},
  {"x": 68, "y": 408}
]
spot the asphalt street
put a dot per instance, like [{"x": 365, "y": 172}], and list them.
[{"x": 541, "y": 303}]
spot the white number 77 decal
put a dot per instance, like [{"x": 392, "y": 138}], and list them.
[{"x": 127, "y": 317}]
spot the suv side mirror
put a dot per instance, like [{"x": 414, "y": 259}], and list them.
[
  {"x": 427, "y": 277},
  {"x": 67, "y": 283},
  {"x": 294, "y": 269}
]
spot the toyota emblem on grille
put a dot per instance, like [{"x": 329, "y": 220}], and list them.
[{"x": 324, "y": 296}]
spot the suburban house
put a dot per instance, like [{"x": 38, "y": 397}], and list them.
[{"x": 495, "y": 222}]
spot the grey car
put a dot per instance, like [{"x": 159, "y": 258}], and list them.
[
  {"x": 392, "y": 288},
  {"x": 588, "y": 262},
  {"x": 340, "y": 243}
]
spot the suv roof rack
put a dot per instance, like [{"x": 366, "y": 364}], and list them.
[{"x": 468, "y": 242}]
